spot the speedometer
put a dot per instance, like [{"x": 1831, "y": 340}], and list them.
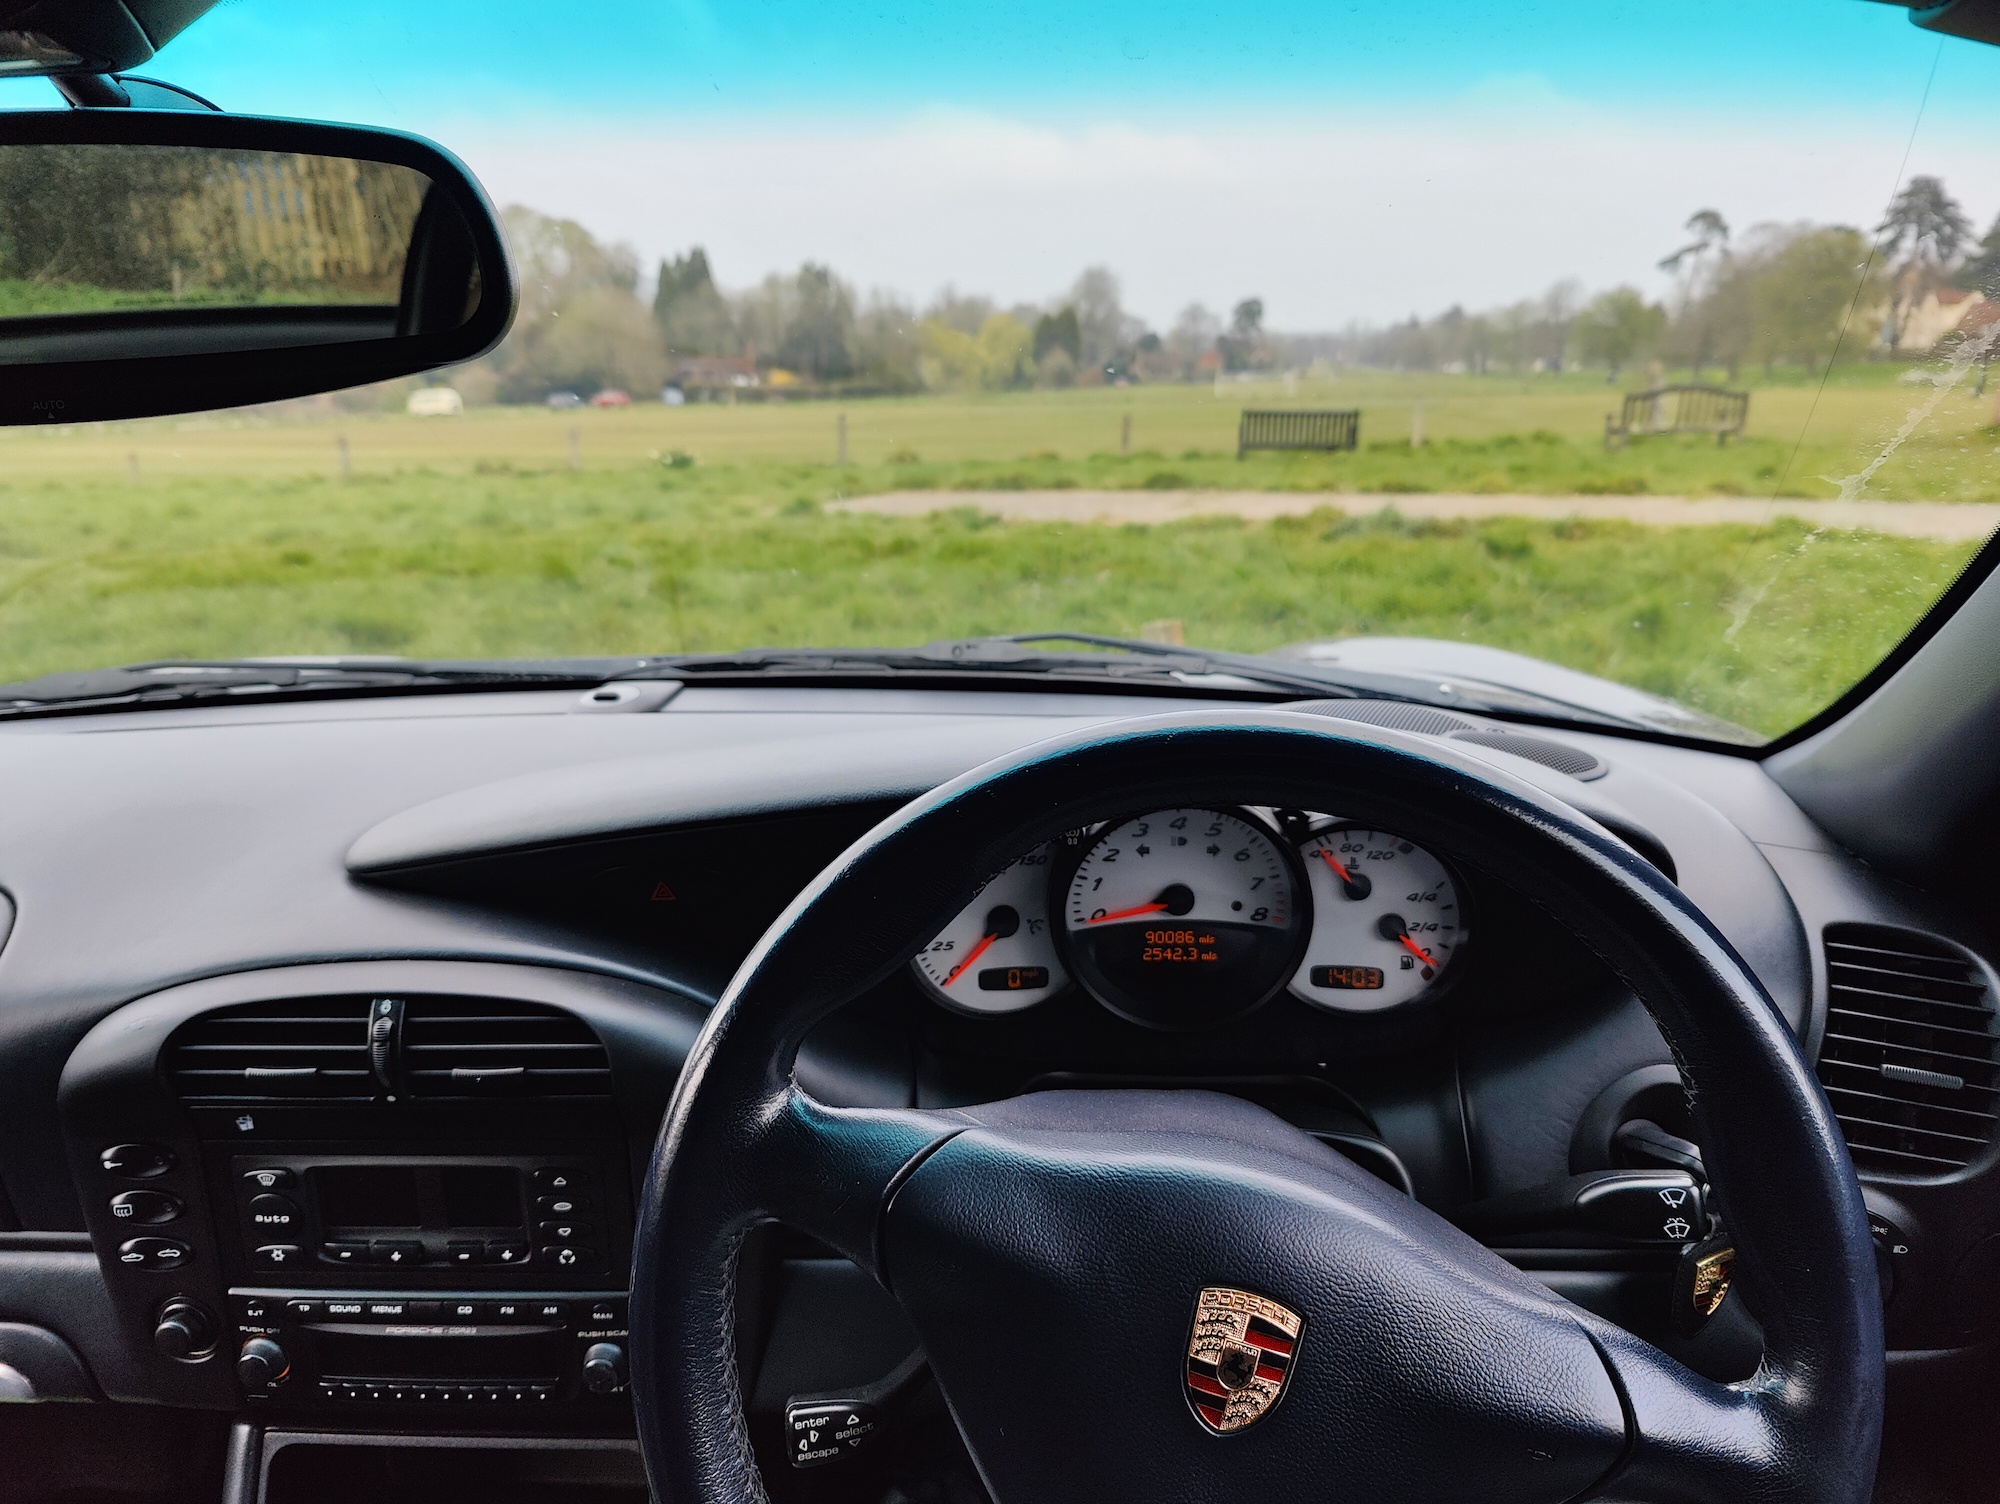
[
  {"x": 1183, "y": 917},
  {"x": 999, "y": 954},
  {"x": 1387, "y": 921}
]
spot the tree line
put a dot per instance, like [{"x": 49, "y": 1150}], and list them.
[
  {"x": 1779, "y": 294},
  {"x": 584, "y": 326}
]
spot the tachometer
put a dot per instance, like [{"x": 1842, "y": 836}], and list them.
[
  {"x": 999, "y": 954},
  {"x": 1387, "y": 921},
  {"x": 1183, "y": 917}
]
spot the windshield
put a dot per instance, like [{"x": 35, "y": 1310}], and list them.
[{"x": 1648, "y": 341}]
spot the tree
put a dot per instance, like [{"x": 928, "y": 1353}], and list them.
[
  {"x": 1616, "y": 327},
  {"x": 1695, "y": 266},
  {"x": 1920, "y": 236},
  {"x": 1100, "y": 319},
  {"x": 815, "y": 340},
  {"x": 693, "y": 315},
  {"x": 1193, "y": 336},
  {"x": 1981, "y": 273},
  {"x": 1803, "y": 292},
  {"x": 1243, "y": 346},
  {"x": 1059, "y": 331},
  {"x": 580, "y": 325}
]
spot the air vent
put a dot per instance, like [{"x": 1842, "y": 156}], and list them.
[
  {"x": 1394, "y": 714},
  {"x": 1550, "y": 754},
  {"x": 482, "y": 1047},
  {"x": 301, "y": 1049},
  {"x": 1911, "y": 1059}
]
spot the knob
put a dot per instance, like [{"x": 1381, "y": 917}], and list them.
[
  {"x": 261, "y": 1363},
  {"x": 184, "y": 1330},
  {"x": 603, "y": 1367}
]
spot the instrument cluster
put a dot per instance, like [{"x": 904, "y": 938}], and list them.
[{"x": 1187, "y": 917}]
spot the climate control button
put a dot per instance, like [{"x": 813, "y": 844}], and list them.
[
  {"x": 273, "y": 1213},
  {"x": 146, "y": 1208}
]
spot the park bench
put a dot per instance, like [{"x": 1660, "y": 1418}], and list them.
[
  {"x": 1293, "y": 429},
  {"x": 1679, "y": 409}
]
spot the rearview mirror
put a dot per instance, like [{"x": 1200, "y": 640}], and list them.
[{"x": 161, "y": 262}]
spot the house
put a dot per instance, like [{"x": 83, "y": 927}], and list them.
[
  {"x": 1936, "y": 315},
  {"x": 714, "y": 371}
]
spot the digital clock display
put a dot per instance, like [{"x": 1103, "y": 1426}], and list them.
[{"x": 1348, "y": 978}]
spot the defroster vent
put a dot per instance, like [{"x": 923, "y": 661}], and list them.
[{"x": 1911, "y": 1058}]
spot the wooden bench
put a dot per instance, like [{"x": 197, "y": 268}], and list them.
[
  {"x": 1293, "y": 429},
  {"x": 1679, "y": 409}
]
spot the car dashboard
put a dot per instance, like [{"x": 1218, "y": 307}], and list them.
[{"x": 335, "y": 1037}]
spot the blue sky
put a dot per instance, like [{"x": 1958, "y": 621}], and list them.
[{"x": 1345, "y": 160}]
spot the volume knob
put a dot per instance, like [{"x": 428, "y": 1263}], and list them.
[
  {"x": 261, "y": 1363},
  {"x": 604, "y": 1367}
]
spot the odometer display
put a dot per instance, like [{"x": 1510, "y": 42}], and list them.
[{"x": 1183, "y": 917}]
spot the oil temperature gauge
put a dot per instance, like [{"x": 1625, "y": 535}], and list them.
[
  {"x": 1387, "y": 921},
  {"x": 998, "y": 955}
]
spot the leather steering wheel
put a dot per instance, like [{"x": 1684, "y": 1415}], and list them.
[{"x": 1049, "y": 1250}]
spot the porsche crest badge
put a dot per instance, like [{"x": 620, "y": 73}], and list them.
[{"x": 1240, "y": 1354}]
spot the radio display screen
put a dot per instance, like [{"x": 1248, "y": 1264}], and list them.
[{"x": 353, "y": 1355}]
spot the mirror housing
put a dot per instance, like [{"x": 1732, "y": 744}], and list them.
[{"x": 270, "y": 259}]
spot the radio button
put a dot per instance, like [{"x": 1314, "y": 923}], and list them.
[
  {"x": 344, "y": 1307},
  {"x": 277, "y": 1256},
  {"x": 563, "y": 1232},
  {"x": 272, "y": 1179},
  {"x": 558, "y": 1178},
  {"x": 507, "y": 1253},
  {"x": 380, "y": 1310},
  {"x": 396, "y": 1252},
  {"x": 561, "y": 1206},
  {"x": 603, "y": 1313},
  {"x": 344, "y": 1253},
  {"x": 569, "y": 1256},
  {"x": 461, "y": 1310},
  {"x": 546, "y": 1310},
  {"x": 278, "y": 1213},
  {"x": 504, "y": 1310},
  {"x": 464, "y": 1253}
]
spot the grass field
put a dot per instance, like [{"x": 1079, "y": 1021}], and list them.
[{"x": 474, "y": 537}]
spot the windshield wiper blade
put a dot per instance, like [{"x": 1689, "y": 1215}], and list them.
[{"x": 181, "y": 681}]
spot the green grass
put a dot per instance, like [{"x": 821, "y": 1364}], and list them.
[{"x": 1761, "y": 626}]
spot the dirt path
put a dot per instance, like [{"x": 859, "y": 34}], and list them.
[{"x": 1949, "y": 521}]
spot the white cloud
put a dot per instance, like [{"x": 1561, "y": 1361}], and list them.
[{"x": 1328, "y": 219}]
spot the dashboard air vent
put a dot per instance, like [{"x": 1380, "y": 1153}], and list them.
[
  {"x": 299, "y": 1049},
  {"x": 485, "y": 1047},
  {"x": 1911, "y": 1058}
]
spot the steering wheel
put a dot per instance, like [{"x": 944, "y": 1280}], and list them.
[{"x": 1051, "y": 1250}]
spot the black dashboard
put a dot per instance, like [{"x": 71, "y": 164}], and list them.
[{"x": 334, "y": 1037}]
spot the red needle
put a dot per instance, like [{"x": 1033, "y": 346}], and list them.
[
  {"x": 1144, "y": 908},
  {"x": 1334, "y": 862},
  {"x": 1410, "y": 945},
  {"x": 977, "y": 951}
]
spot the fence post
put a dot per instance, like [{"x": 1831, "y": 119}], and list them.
[
  {"x": 1417, "y": 425},
  {"x": 132, "y": 466},
  {"x": 840, "y": 428},
  {"x": 1125, "y": 435},
  {"x": 576, "y": 448},
  {"x": 346, "y": 459}
]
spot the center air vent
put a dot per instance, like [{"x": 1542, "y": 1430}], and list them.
[
  {"x": 482, "y": 1047},
  {"x": 1911, "y": 1059},
  {"x": 301, "y": 1049},
  {"x": 316, "y": 1049}
]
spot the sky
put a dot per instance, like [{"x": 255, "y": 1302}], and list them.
[{"x": 1344, "y": 160}]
